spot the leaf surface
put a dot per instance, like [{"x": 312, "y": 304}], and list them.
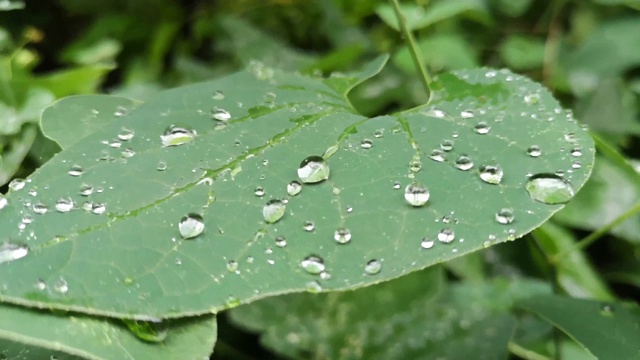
[{"x": 119, "y": 248}]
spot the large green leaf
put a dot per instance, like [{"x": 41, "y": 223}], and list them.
[
  {"x": 119, "y": 252},
  {"x": 32, "y": 334},
  {"x": 607, "y": 330},
  {"x": 414, "y": 317}
]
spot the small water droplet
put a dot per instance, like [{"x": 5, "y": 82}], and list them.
[
  {"x": 86, "y": 190},
  {"x": 175, "y": 135},
  {"x": 313, "y": 169},
  {"x": 446, "y": 145},
  {"x": 98, "y": 208},
  {"x": 342, "y": 235},
  {"x": 294, "y": 188},
  {"x": 505, "y": 216},
  {"x": 61, "y": 286},
  {"x": 490, "y": 74},
  {"x": 534, "y": 151},
  {"x": 217, "y": 95},
  {"x": 378, "y": 133},
  {"x": 531, "y": 99},
  {"x": 415, "y": 166},
  {"x": 178, "y": 261},
  {"x": 427, "y": 243},
  {"x": 313, "y": 264},
  {"x": 76, "y": 170},
  {"x": 309, "y": 226},
  {"x": 162, "y": 166},
  {"x": 313, "y": 287},
  {"x": 336, "y": 190},
  {"x": 126, "y": 134},
  {"x": 576, "y": 152},
  {"x": 17, "y": 184},
  {"x": 446, "y": 235},
  {"x": 482, "y": 128},
  {"x": 416, "y": 194},
  {"x": 325, "y": 275},
  {"x": 607, "y": 310},
  {"x": 220, "y": 114},
  {"x": 366, "y": 144},
  {"x": 191, "y": 225},
  {"x": 128, "y": 153},
  {"x": 464, "y": 163},
  {"x": 120, "y": 111},
  {"x": 115, "y": 144},
  {"x": 40, "y": 284},
  {"x": 40, "y": 209},
  {"x": 259, "y": 191},
  {"x": 576, "y": 165},
  {"x": 396, "y": 185},
  {"x": 232, "y": 266},
  {"x": 570, "y": 137},
  {"x": 64, "y": 205},
  {"x": 437, "y": 155},
  {"x": 467, "y": 114},
  {"x": 273, "y": 211},
  {"x": 281, "y": 241},
  {"x": 10, "y": 251},
  {"x": 3, "y": 202},
  {"x": 549, "y": 189},
  {"x": 491, "y": 174},
  {"x": 373, "y": 267}
]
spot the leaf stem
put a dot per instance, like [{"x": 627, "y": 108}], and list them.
[
  {"x": 524, "y": 353},
  {"x": 413, "y": 49}
]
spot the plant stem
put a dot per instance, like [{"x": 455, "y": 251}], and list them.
[
  {"x": 526, "y": 354},
  {"x": 413, "y": 49}
]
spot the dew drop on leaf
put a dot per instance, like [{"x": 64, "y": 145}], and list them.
[
  {"x": 175, "y": 135},
  {"x": 342, "y": 235},
  {"x": 76, "y": 170},
  {"x": 10, "y": 251},
  {"x": 416, "y": 194},
  {"x": 396, "y": 185},
  {"x": 531, "y": 99},
  {"x": 98, "y": 208},
  {"x": 549, "y": 189},
  {"x": 366, "y": 144},
  {"x": 378, "y": 133},
  {"x": 162, "y": 166},
  {"x": 294, "y": 188},
  {"x": 40, "y": 209},
  {"x": 17, "y": 184},
  {"x": 446, "y": 235},
  {"x": 232, "y": 266},
  {"x": 313, "y": 169},
  {"x": 128, "y": 153},
  {"x": 491, "y": 174},
  {"x": 437, "y": 155},
  {"x": 309, "y": 226},
  {"x": 191, "y": 225},
  {"x": 446, "y": 145},
  {"x": 482, "y": 128},
  {"x": 313, "y": 264},
  {"x": 576, "y": 152},
  {"x": 61, "y": 286},
  {"x": 217, "y": 95},
  {"x": 373, "y": 267},
  {"x": 273, "y": 211},
  {"x": 427, "y": 243},
  {"x": 415, "y": 166},
  {"x": 505, "y": 216},
  {"x": 313, "y": 287},
  {"x": 534, "y": 151},
  {"x": 40, "y": 285},
  {"x": 467, "y": 114},
  {"x": 220, "y": 114},
  {"x": 64, "y": 205},
  {"x": 259, "y": 191},
  {"x": 281, "y": 241},
  {"x": 464, "y": 163},
  {"x": 126, "y": 134},
  {"x": 86, "y": 190},
  {"x": 3, "y": 202}
]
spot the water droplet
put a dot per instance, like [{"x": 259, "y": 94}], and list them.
[
  {"x": 396, "y": 185},
  {"x": 446, "y": 145},
  {"x": 10, "y": 251},
  {"x": 148, "y": 331},
  {"x": 191, "y": 225},
  {"x": 464, "y": 163},
  {"x": 175, "y": 135},
  {"x": 427, "y": 243},
  {"x": 115, "y": 144},
  {"x": 534, "y": 151},
  {"x": 576, "y": 165},
  {"x": 281, "y": 241},
  {"x": 273, "y": 211},
  {"x": 570, "y": 137},
  {"x": 98, "y": 208},
  {"x": 120, "y": 111},
  {"x": 86, "y": 190},
  {"x": 259, "y": 191},
  {"x": 490, "y": 74},
  {"x": 76, "y": 170},
  {"x": 576, "y": 152},
  {"x": 126, "y": 134},
  {"x": 491, "y": 174},
  {"x": 549, "y": 189},
  {"x": 309, "y": 226},
  {"x": 313, "y": 287},
  {"x": 505, "y": 216},
  {"x": 366, "y": 144},
  {"x": 61, "y": 286},
  {"x": 3, "y": 202},
  {"x": 178, "y": 261},
  {"x": 17, "y": 184},
  {"x": 415, "y": 166},
  {"x": 64, "y": 205},
  {"x": 373, "y": 267},
  {"x": 336, "y": 190},
  {"x": 416, "y": 194},
  {"x": 40, "y": 209},
  {"x": 437, "y": 155},
  {"x": 467, "y": 114},
  {"x": 128, "y": 153},
  {"x": 446, "y": 235},
  {"x": 232, "y": 266},
  {"x": 220, "y": 114},
  {"x": 217, "y": 95},
  {"x": 32, "y": 192},
  {"x": 342, "y": 235},
  {"x": 531, "y": 99},
  {"x": 378, "y": 133},
  {"x": 482, "y": 128},
  {"x": 313, "y": 169},
  {"x": 294, "y": 188},
  {"x": 313, "y": 264},
  {"x": 40, "y": 284},
  {"x": 325, "y": 275},
  {"x": 607, "y": 310},
  {"x": 162, "y": 166}
]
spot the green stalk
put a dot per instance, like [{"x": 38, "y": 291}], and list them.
[{"x": 413, "y": 49}]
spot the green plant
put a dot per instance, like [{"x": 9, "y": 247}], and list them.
[{"x": 157, "y": 215}]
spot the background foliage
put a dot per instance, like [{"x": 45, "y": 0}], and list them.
[{"x": 585, "y": 52}]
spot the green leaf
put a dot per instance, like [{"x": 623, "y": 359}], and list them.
[
  {"x": 611, "y": 109},
  {"x": 44, "y": 335},
  {"x": 522, "y": 52},
  {"x": 449, "y": 52},
  {"x": 419, "y": 17},
  {"x": 606, "y": 330},
  {"x": 14, "y": 152},
  {"x": 73, "y": 118},
  {"x": 414, "y": 314},
  {"x": 254, "y": 129}
]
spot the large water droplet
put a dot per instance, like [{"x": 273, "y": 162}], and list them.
[
  {"x": 437, "y": 155},
  {"x": 482, "y": 128},
  {"x": 373, "y": 267},
  {"x": 294, "y": 188},
  {"x": 491, "y": 174},
  {"x": 416, "y": 194},
  {"x": 446, "y": 235},
  {"x": 534, "y": 151},
  {"x": 313, "y": 264},
  {"x": 191, "y": 225},
  {"x": 313, "y": 169},
  {"x": 505, "y": 216},
  {"x": 64, "y": 205},
  {"x": 220, "y": 114},
  {"x": 342, "y": 235},
  {"x": 17, "y": 184},
  {"x": 76, "y": 170},
  {"x": 464, "y": 163},
  {"x": 549, "y": 189},
  {"x": 175, "y": 135},
  {"x": 273, "y": 211},
  {"x": 10, "y": 251}
]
